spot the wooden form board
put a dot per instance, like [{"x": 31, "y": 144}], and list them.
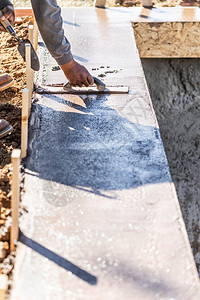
[
  {"x": 24, "y": 122},
  {"x": 99, "y": 3},
  {"x": 23, "y": 12},
  {"x": 169, "y": 39},
  {"x": 15, "y": 158},
  {"x": 167, "y": 32}
]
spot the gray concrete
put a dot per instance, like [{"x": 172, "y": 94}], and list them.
[
  {"x": 174, "y": 89},
  {"x": 103, "y": 218}
]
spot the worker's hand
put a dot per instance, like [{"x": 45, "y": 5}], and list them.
[
  {"x": 8, "y": 13},
  {"x": 77, "y": 74}
]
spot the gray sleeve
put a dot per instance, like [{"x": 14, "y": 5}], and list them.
[
  {"x": 48, "y": 16},
  {"x": 4, "y": 3}
]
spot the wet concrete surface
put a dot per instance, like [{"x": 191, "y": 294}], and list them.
[{"x": 103, "y": 219}]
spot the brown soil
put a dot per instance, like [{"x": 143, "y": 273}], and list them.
[{"x": 10, "y": 110}]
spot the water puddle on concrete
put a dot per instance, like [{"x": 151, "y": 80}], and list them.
[{"x": 175, "y": 93}]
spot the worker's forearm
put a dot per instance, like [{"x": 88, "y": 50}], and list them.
[
  {"x": 47, "y": 14},
  {"x": 4, "y": 3}
]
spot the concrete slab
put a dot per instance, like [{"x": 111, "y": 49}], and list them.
[{"x": 103, "y": 218}]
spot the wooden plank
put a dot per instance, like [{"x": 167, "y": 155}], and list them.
[
  {"x": 146, "y": 3},
  {"x": 23, "y": 12},
  {"x": 167, "y": 32},
  {"x": 29, "y": 76},
  {"x": 3, "y": 286},
  {"x": 100, "y": 3},
  {"x": 24, "y": 123},
  {"x": 35, "y": 36},
  {"x": 31, "y": 39},
  {"x": 83, "y": 90},
  {"x": 15, "y": 158},
  {"x": 167, "y": 39},
  {"x": 30, "y": 33}
]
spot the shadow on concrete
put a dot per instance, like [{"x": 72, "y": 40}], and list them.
[
  {"x": 60, "y": 261},
  {"x": 72, "y": 24},
  {"x": 91, "y": 145},
  {"x": 146, "y": 280}
]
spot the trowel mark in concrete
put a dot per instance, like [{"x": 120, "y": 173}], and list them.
[{"x": 174, "y": 89}]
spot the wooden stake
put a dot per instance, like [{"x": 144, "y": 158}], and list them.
[
  {"x": 3, "y": 286},
  {"x": 15, "y": 158},
  {"x": 146, "y": 3},
  {"x": 100, "y": 3},
  {"x": 30, "y": 33},
  {"x": 24, "y": 123},
  {"x": 29, "y": 77},
  {"x": 31, "y": 39},
  {"x": 35, "y": 38}
]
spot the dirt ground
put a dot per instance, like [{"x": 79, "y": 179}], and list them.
[{"x": 10, "y": 109}]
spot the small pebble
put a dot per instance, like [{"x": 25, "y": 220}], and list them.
[
  {"x": 55, "y": 68},
  {"x": 101, "y": 75},
  {"x": 14, "y": 89}
]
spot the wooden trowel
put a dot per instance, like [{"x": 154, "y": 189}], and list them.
[{"x": 35, "y": 65}]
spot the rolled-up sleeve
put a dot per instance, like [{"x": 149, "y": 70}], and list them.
[
  {"x": 48, "y": 16},
  {"x": 4, "y": 3}
]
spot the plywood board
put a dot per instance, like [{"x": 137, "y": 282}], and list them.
[{"x": 168, "y": 39}]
